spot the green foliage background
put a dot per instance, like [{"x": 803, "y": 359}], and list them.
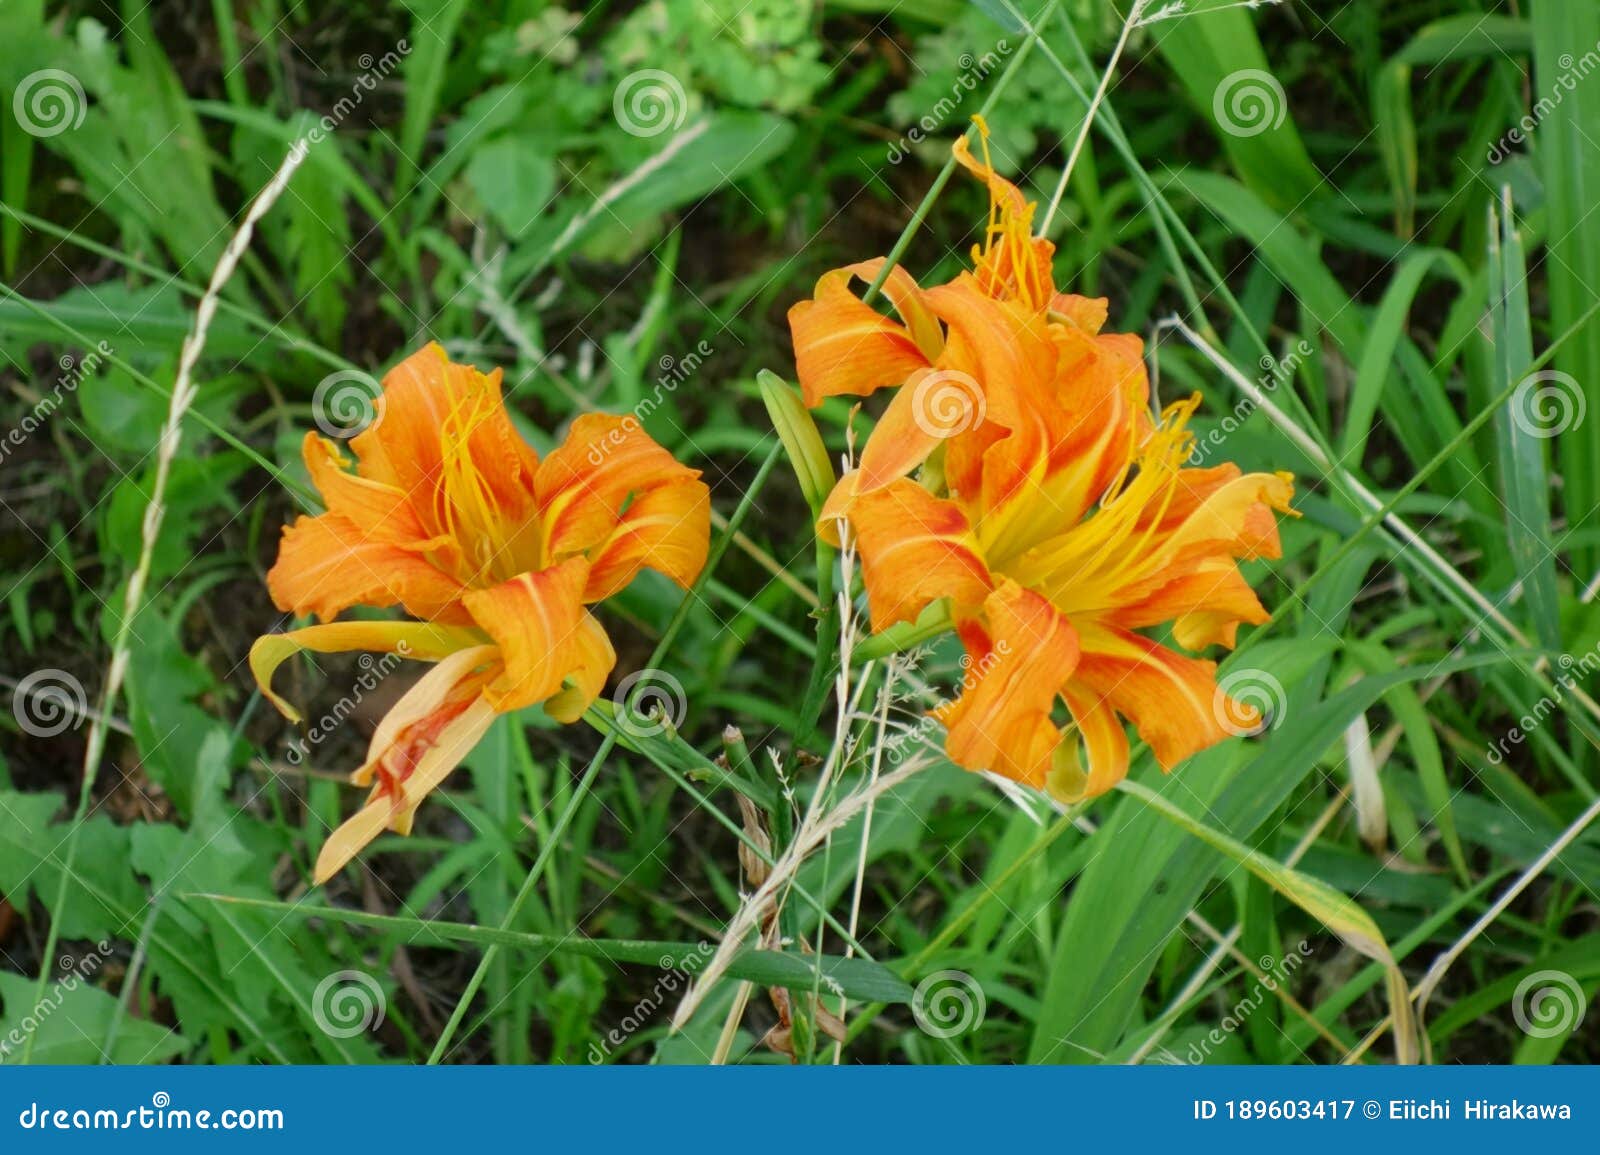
[{"x": 480, "y": 188}]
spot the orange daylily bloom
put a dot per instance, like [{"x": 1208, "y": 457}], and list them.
[
  {"x": 450, "y": 515},
  {"x": 1051, "y": 512}
]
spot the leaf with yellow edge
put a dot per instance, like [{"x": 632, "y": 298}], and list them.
[{"x": 1336, "y": 910}]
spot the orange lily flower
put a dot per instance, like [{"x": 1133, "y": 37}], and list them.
[
  {"x": 1052, "y": 514},
  {"x": 452, "y": 516}
]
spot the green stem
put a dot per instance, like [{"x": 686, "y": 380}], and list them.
[{"x": 668, "y": 636}]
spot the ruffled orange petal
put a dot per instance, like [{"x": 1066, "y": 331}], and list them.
[
  {"x": 933, "y": 406},
  {"x": 1206, "y": 606},
  {"x": 537, "y": 620},
  {"x": 424, "y": 737},
  {"x": 1172, "y": 700},
  {"x": 843, "y": 346},
  {"x": 1001, "y": 721},
  {"x": 326, "y": 564},
  {"x": 426, "y": 395},
  {"x": 1086, "y": 314},
  {"x": 667, "y": 529},
  {"x": 1012, "y": 262},
  {"x": 418, "y": 641},
  {"x": 915, "y": 548},
  {"x": 585, "y": 485},
  {"x": 1093, "y": 755},
  {"x": 380, "y": 511},
  {"x": 595, "y": 660}
]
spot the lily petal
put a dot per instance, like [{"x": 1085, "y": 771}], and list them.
[
  {"x": 1171, "y": 699},
  {"x": 585, "y": 486},
  {"x": 844, "y": 346},
  {"x": 418, "y": 641},
  {"x": 667, "y": 529},
  {"x": 326, "y": 564},
  {"x": 915, "y": 548},
  {"x": 537, "y": 620},
  {"x": 1002, "y": 721}
]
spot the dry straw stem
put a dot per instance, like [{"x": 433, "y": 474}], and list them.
[
  {"x": 1128, "y": 26},
  {"x": 184, "y": 391},
  {"x": 819, "y": 822}
]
